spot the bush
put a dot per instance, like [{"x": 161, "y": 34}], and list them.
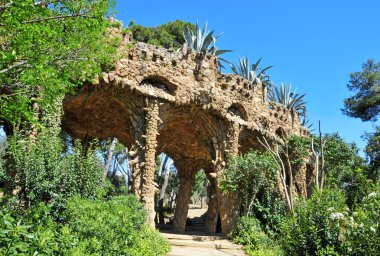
[
  {"x": 312, "y": 230},
  {"x": 47, "y": 172},
  {"x": 360, "y": 232},
  {"x": 248, "y": 232},
  {"x": 115, "y": 227},
  {"x": 20, "y": 236},
  {"x": 249, "y": 174},
  {"x": 3, "y": 174},
  {"x": 169, "y": 35},
  {"x": 87, "y": 227}
]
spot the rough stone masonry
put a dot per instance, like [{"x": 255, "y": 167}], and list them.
[{"x": 159, "y": 100}]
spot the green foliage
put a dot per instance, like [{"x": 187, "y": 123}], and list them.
[
  {"x": 372, "y": 152},
  {"x": 247, "y": 175},
  {"x": 47, "y": 50},
  {"x": 114, "y": 227},
  {"x": 360, "y": 232},
  {"x": 310, "y": 231},
  {"x": 87, "y": 227},
  {"x": 248, "y": 232},
  {"x": 3, "y": 174},
  {"x": 168, "y": 35},
  {"x": 35, "y": 233},
  {"x": 49, "y": 174},
  {"x": 365, "y": 104},
  {"x": 298, "y": 149},
  {"x": 344, "y": 168},
  {"x": 291, "y": 100},
  {"x": 200, "y": 40},
  {"x": 199, "y": 189}
]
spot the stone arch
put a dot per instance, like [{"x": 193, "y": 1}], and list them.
[
  {"x": 160, "y": 84},
  {"x": 238, "y": 110},
  {"x": 281, "y": 133},
  {"x": 98, "y": 115}
]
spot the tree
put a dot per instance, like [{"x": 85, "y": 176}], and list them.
[
  {"x": 168, "y": 35},
  {"x": 365, "y": 104},
  {"x": 199, "y": 189},
  {"x": 288, "y": 156},
  {"x": 372, "y": 151},
  {"x": 48, "y": 48},
  {"x": 249, "y": 174}
]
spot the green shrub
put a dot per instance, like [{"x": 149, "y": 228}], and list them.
[
  {"x": 169, "y": 35},
  {"x": 22, "y": 236},
  {"x": 313, "y": 229},
  {"x": 114, "y": 227},
  {"x": 248, "y": 232},
  {"x": 360, "y": 232},
  {"x": 247, "y": 175},
  {"x": 87, "y": 227},
  {"x": 47, "y": 172},
  {"x": 3, "y": 175}
]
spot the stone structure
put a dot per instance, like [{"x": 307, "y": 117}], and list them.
[{"x": 158, "y": 100}]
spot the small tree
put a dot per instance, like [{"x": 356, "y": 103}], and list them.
[{"x": 288, "y": 156}]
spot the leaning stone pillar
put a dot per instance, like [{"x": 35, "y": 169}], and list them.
[
  {"x": 230, "y": 201},
  {"x": 212, "y": 214},
  {"x": 148, "y": 187},
  {"x": 143, "y": 156},
  {"x": 186, "y": 180}
]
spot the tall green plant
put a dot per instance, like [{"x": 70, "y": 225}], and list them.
[
  {"x": 204, "y": 42},
  {"x": 290, "y": 99},
  {"x": 312, "y": 230},
  {"x": 45, "y": 172},
  {"x": 249, "y": 174},
  {"x": 49, "y": 47},
  {"x": 200, "y": 40},
  {"x": 252, "y": 73}
]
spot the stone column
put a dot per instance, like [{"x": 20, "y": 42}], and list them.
[
  {"x": 143, "y": 156},
  {"x": 136, "y": 154},
  {"x": 229, "y": 202},
  {"x": 186, "y": 180},
  {"x": 149, "y": 166},
  {"x": 213, "y": 204}
]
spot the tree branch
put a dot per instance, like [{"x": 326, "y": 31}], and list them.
[
  {"x": 58, "y": 18},
  {"x": 17, "y": 64}
]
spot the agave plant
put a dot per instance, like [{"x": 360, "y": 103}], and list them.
[
  {"x": 252, "y": 73},
  {"x": 290, "y": 99},
  {"x": 200, "y": 40},
  {"x": 203, "y": 41}
]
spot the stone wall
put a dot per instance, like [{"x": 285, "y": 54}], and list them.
[{"x": 159, "y": 100}]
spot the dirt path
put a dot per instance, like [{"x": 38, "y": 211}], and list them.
[{"x": 199, "y": 244}]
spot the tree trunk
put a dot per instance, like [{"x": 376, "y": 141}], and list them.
[
  {"x": 109, "y": 158},
  {"x": 161, "y": 218}
]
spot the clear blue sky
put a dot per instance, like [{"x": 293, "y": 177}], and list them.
[{"x": 313, "y": 45}]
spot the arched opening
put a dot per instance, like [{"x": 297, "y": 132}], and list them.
[
  {"x": 159, "y": 84},
  {"x": 238, "y": 110},
  {"x": 167, "y": 181}
]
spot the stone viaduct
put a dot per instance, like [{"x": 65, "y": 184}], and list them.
[{"x": 159, "y": 100}]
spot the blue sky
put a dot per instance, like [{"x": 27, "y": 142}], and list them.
[{"x": 313, "y": 45}]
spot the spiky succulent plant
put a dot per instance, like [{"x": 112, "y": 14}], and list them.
[
  {"x": 203, "y": 41},
  {"x": 200, "y": 40},
  {"x": 252, "y": 73},
  {"x": 290, "y": 99}
]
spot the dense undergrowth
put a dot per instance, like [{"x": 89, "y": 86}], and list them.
[
  {"x": 61, "y": 205},
  {"x": 86, "y": 227},
  {"x": 343, "y": 218}
]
